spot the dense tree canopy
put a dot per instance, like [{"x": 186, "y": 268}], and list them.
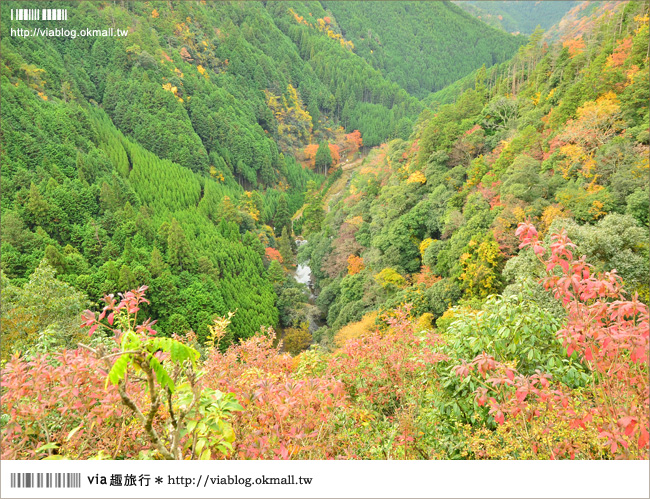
[
  {"x": 275, "y": 250},
  {"x": 549, "y": 136},
  {"x": 518, "y": 17},
  {"x": 422, "y": 46}
]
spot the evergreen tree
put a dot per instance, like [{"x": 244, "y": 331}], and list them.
[
  {"x": 128, "y": 255},
  {"x": 157, "y": 263},
  {"x": 313, "y": 214},
  {"x": 276, "y": 272},
  {"x": 323, "y": 158},
  {"x": 284, "y": 246},
  {"x": 282, "y": 215},
  {"x": 179, "y": 253},
  {"x": 127, "y": 280},
  {"x": 55, "y": 259}
]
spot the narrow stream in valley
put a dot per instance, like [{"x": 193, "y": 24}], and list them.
[{"x": 302, "y": 274}]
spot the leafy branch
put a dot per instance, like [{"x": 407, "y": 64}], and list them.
[{"x": 196, "y": 420}]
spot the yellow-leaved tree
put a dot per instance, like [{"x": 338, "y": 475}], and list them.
[{"x": 481, "y": 267}]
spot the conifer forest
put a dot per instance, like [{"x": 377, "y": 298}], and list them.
[{"x": 326, "y": 230}]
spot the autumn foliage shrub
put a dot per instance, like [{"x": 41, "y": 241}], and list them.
[
  {"x": 386, "y": 373},
  {"x": 380, "y": 368},
  {"x": 609, "y": 333},
  {"x": 313, "y": 406},
  {"x": 380, "y": 395},
  {"x": 356, "y": 329},
  {"x": 48, "y": 396},
  {"x": 297, "y": 339},
  {"x": 129, "y": 395},
  {"x": 284, "y": 416}
]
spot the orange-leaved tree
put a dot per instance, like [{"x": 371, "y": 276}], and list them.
[{"x": 353, "y": 141}]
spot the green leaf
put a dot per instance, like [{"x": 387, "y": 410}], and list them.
[
  {"x": 130, "y": 341},
  {"x": 161, "y": 374},
  {"x": 199, "y": 445},
  {"x": 174, "y": 349},
  {"x": 181, "y": 352},
  {"x": 118, "y": 371},
  {"x": 51, "y": 445},
  {"x": 73, "y": 431},
  {"x": 233, "y": 406}
]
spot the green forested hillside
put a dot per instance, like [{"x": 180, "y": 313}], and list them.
[
  {"x": 125, "y": 158},
  {"x": 517, "y": 16},
  {"x": 473, "y": 266},
  {"x": 423, "y": 46},
  {"x": 359, "y": 96},
  {"x": 559, "y": 136}
]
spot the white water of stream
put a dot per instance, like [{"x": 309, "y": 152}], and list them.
[{"x": 302, "y": 274}]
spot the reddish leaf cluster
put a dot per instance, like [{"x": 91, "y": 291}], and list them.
[
  {"x": 284, "y": 416},
  {"x": 608, "y": 332},
  {"x": 344, "y": 246},
  {"x": 381, "y": 368},
  {"x": 491, "y": 193},
  {"x": 353, "y": 141},
  {"x": 310, "y": 151},
  {"x": 575, "y": 46},
  {"x": 334, "y": 152},
  {"x": 473, "y": 129},
  {"x": 68, "y": 387},
  {"x": 621, "y": 52},
  {"x": 426, "y": 277}
]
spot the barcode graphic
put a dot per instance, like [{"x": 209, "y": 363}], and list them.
[
  {"x": 39, "y": 14},
  {"x": 47, "y": 480}
]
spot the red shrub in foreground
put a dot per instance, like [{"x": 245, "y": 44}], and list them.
[
  {"x": 380, "y": 368},
  {"x": 309, "y": 407},
  {"x": 609, "y": 334},
  {"x": 49, "y": 396},
  {"x": 284, "y": 416}
]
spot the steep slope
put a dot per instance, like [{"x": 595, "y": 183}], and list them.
[
  {"x": 559, "y": 137},
  {"x": 165, "y": 157},
  {"x": 581, "y": 18},
  {"x": 149, "y": 189},
  {"x": 360, "y": 96},
  {"x": 570, "y": 28},
  {"x": 423, "y": 46},
  {"x": 105, "y": 188},
  {"x": 237, "y": 65}
]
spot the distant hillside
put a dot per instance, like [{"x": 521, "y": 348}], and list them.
[
  {"x": 422, "y": 46},
  {"x": 518, "y": 16},
  {"x": 582, "y": 16},
  {"x": 578, "y": 21}
]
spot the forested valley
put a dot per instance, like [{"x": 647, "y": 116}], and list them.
[
  {"x": 471, "y": 207},
  {"x": 519, "y": 17}
]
